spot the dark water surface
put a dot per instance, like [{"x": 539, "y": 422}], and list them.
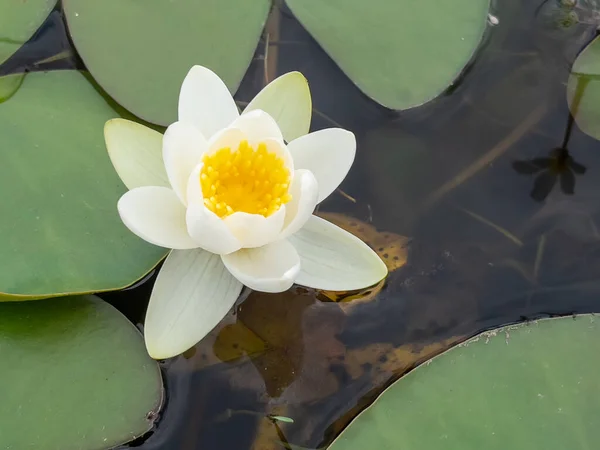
[{"x": 490, "y": 242}]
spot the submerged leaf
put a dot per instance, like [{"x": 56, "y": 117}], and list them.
[{"x": 391, "y": 247}]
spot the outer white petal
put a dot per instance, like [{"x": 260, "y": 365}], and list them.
[
  {"x": 257, "y": 125},
  {"x": 192, "y": 294},
  {"x": 183, "y": 146},
  {"x": 272, "y": 268},
  {"x": 254, "y": 230},
  {"x": 287, "y": 99},
  {"x": 304, "y": 191},
  {"x": 136, "y": 153},
  {"x": 328, "y": 154},
  {"x": 335, "y": 260},
  {"x": 205, "y": 101},
  {"x": 207, "y": 229},
  {"x": 156, "y": 215}
]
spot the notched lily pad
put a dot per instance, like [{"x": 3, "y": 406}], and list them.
[
  {"x": 76, "y": 376},
  {"x": 140, "y": 52},
  {"x": 61, "y": 232}
]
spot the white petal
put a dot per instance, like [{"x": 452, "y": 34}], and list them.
[
  {"x": 183, "y": 146},
  {"x": 335, "y": 260},
  {"x": 287, "y": 99},
  {"x": 136, "y": 153},
  {"x": 209, "y": 231},
  {"x": 226, "y": 138},
  {"x": 254, "y": 230},
  {"x": 304, "y": 191},
  {"x": 192, "y": 294},
  {"x": 205, "y": 101},
  {"x": 328, "y": 154},
  {"x": 272, "y": 268},
  {"x": 257, "y": 125},
  {"x": 156, "y": 215}
]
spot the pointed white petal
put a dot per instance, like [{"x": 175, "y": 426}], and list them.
[
  {"x": 183, "y": 146},
  {"x": 287, "y": 99},
  {"x": 136, "y": 153},
  {"x": 257, "y": 125},
  {"x": 335, "y": 260},
  {"x": 304, "y": 191},
  {"x": 328, "y": 154},
  {"x": 156, "y": 215},
  {"x": 205, "y": 101},
  {"x": 192, "y": 294},
  {"x": 254, "y": 230},
  {"x": 272, "y": 268}
]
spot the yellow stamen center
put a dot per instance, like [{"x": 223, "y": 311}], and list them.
[{"x": 249, "y": 180}]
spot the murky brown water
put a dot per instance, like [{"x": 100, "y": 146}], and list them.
[{"x": 443, "y": 192}]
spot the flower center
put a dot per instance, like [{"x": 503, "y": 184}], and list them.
[{"x": 249, "y": 180}]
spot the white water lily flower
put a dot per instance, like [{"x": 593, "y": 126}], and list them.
[{"x": 235, "y": 204}]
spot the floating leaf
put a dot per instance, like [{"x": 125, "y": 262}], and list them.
[
  {"x": 140, "y": 52},
  {"x": 61, "y": 232},
  {"x": 401, "y": 53},
  {"x": 535, "y": 383},
  {"x": 583, "y": 89},
  {"x": 76, "y": 376},
  {"x": 18, "y": 21}
]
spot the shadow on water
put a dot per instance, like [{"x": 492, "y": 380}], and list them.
[{"x": 484, "y": 203}]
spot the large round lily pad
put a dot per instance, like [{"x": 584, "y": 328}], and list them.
[
  {"x": 18, "y": 21},
  {"x": 583, "y": 89},
  {"x": 140, "y": 52},
  {"x": 401, "y": 53},
  {"x": 75, "y": 376},
  {"x": 61, "y": 232},
  {"x": 532, "y": 386}
]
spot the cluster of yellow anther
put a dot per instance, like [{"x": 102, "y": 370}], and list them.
[{"x": 249, "y": 180}]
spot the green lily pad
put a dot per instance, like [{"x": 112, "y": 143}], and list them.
[
  {"x": 533, "y": 386},
  {"x": 401, "y": 53},
  {"x": 18, "y": 21},
  {"x": 583, "y": 89},
  {"x": 140, "y": 52},
  {"x": 61, "y": 232},
  {"x": 75, "y": 376}
]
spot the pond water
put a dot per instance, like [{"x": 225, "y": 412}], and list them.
[{"x": 446, "y": 186}]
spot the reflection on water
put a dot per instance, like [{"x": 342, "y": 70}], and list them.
[
  {"x": 486, "y": 208},
  {"x": 559, "y": 165}
]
